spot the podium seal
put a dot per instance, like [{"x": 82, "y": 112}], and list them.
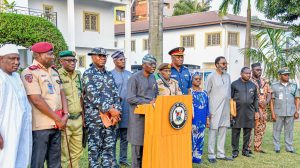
[{"x": 178, "y": 115}]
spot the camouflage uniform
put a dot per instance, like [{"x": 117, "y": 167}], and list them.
[{"x": 100, "y": 93}]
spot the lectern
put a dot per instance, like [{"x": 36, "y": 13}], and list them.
[{"x": 168, "y": 129}]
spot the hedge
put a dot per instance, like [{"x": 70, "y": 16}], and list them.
[{"x": 25, "y": 30}]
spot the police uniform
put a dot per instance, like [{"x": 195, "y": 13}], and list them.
[
  {"x": 73, "y": 90},
  {"x": 284, "y": 107},
  {"x": 167, "y": 88},
  {"x": 39, "y": 80},
  {"x": 100, "y": 94},
  {"x": 183, "y": 76}
]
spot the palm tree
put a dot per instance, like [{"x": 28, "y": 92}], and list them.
[
  {"x": 276, "y": 49},
  {"x": 237, "y": 4},
  {"x": 190, "y": 6}
]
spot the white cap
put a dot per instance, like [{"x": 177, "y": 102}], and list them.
[{"x": 8, "y": 49}]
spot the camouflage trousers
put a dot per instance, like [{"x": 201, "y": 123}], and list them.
[
  {"x": 101, "y": 142},
  {"x": 259, "y": 131}
]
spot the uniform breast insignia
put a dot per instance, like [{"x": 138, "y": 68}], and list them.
[
  {"x": 28, "y": 78},
  {"x": 178, "y": 115},
  {"x": 33, "y": 67}
]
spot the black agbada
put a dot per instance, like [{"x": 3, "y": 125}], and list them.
[{"x": 245, "y": 95}]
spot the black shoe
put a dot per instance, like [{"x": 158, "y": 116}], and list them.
[
  {"x": 235, "y": 156},
  {"x": 125, "y": 164},
  {"x": 212, "y": 160},
  {"x": 277, "y": 151},
  {"x": 292, "y": 151},
  {"x": 226, "y": 158},
  {"x": 250, "y": 152},
  {"x": 246, "y": 154}
]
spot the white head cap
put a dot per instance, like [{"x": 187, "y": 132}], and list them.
[{"x": 8, "y": 49}]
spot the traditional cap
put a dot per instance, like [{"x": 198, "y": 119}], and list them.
[
  {"x": 148, "y": 58},
  {"x": 164, "y": 66},
  {"x": 117, "y": 54},
  {"x": 196, "y": 74},
  {"x": 98, "y": 51},
  {"x": 177, "y": 51},
  {"x": 255, "y": 65},
  {"x": 42, "y": 47},
  {"x": 67, "y": 53},
  {"x": 8, "y": 49},
  {"x": 283, "y": 71}
]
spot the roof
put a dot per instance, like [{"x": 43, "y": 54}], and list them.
[{"x": 192, "y": 20}]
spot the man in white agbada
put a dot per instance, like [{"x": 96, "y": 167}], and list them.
[{"x": 15, "y": 112}]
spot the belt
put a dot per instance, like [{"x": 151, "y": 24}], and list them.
[{"x": 74, "y": 116}]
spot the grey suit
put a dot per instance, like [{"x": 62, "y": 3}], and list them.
[{"x": 141, "y": 90}]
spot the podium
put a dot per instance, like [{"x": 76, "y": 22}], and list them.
[{"x": 167, "y": 135}]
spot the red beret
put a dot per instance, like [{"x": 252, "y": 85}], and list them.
[{"x": 41, "y": 47}]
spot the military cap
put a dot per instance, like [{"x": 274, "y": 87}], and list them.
[
  {"x": 117, "y": 54},
  {"x": 148, "y": 58},
  {"x": 98, "y": 51},
  {"x": 177, "y": 51},
  {"x": 67, "y": 53},
  {"x": 255, "y": 65},
  {"x": 164, "y": 66},
  {"x": 283, "y": 71},
  {"x": 8, "y": 49},
  {"x": 42, "y": 47}
]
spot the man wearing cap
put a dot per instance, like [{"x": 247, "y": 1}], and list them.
[
  {"x": 49, "y": 106},
  {"x": 285, "y": 109},
  {"x": 142, "y": 89},
  {"x": 15, "y": 112},
  {"x": 166, "y": 85},
  {"x": 180, "y": 72},
  {"x": 264, "y": 97},
  {"x": 102, "y": 103},
  {"x": 73, "y": 90},
  {"x": 121, "y": 77}
]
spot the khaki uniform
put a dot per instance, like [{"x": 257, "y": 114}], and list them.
[
  {"x": 45, "y": 82},
  {"x": 73, "y": 90},
  {"x": 174, "y": 88}
]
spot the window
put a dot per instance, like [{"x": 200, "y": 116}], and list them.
[
  {"x": 120, "y": 15},
  {"x": 133, "y": 45},
  {"x": 145, "y": 44},
  {"x": 81, "y": 61},
  {"x": 91, "y": 21},
  {"x": 187, "y": 41},
  {"x": 213, "y": 39},
  {"x": 254, "y": 41},
  {"x": 233, "y": 38}
]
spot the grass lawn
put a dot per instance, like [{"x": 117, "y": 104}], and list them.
[{"x": 269, "y": 160}]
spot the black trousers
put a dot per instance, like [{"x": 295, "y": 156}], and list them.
[
  {"x": 46, "y": 146},
  {"x": 235, "y": 138}
]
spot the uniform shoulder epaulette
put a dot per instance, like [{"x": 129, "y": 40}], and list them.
[
  {"x": 33, "y": 67},
  {"x": 174, "y": 80}
]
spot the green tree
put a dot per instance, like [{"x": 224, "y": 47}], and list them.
[
  {"x": 191, "y": 6},
  {"x": 286, "y": 11},
  {"x": 276, "y": 49},
  {"x": 237, "y": 4}
]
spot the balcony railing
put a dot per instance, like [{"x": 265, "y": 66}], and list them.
[{"x": 50, "y": 16}]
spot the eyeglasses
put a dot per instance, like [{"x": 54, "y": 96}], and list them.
[{"x": 71, "y": 60}]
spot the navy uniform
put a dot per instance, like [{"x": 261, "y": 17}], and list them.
[
  {"x": 284, "y": 96},
  {"x": 183, "y": 76},
  {"x": 100, "y": 95}
]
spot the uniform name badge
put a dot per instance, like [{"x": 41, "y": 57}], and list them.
[
  {"x": 280, "y": 97},
  {"x": 50, "y": 88}
]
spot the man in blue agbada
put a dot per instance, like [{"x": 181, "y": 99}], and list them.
[
  {"x": 101, "y": 96},
  {"x": 180, "y": 72},
  {"x": 121, "y": 77}
]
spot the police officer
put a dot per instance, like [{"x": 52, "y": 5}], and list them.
[
  {"x": 285, "y": 109},
  {"x": 49, "y": 106},
  {"x": 101, "y": 97},
  {"x": 72, "y": 86},
  {"x": 178, "y": 71},
  {"x": 166, "y": 85}
]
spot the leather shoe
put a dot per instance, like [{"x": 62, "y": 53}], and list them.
[
  {"x": 246, "y": 154},
  {"x": 277, "y": 151},
  {"x": 291, "y": 151},
  {"x": 235, "y": 156},
  {"x": 212, "y": 160},
  {"x": 226, "y": 158},
  {"x": 250, "y": 152}
]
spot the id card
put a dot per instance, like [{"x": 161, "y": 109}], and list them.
[
  {"x": 50, "y": 88},
  {"x": 280, "y": 97}
]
